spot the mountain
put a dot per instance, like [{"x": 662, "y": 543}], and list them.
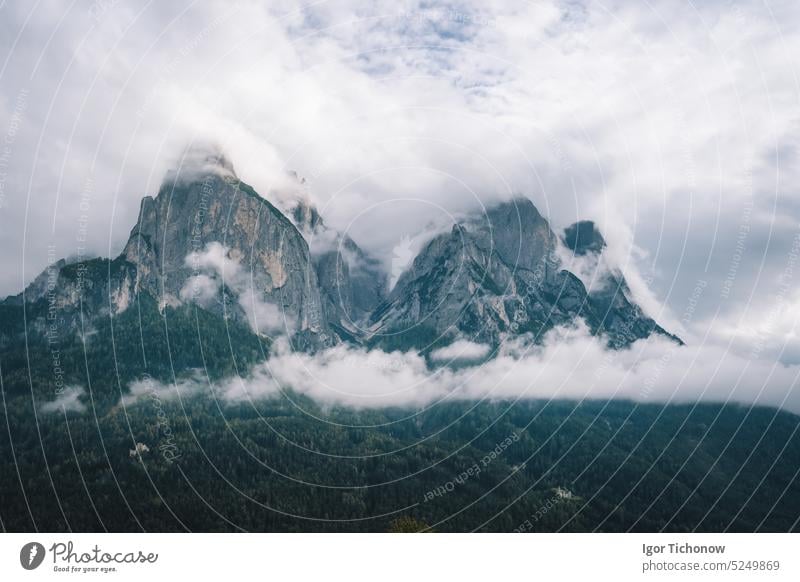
[
  {"x": 584, "y": 238},
  {"x": 206, "y": 238},
  {"x": 213, "y": 273},
  {"x": 498, "y": 275},
  {"x": 208, "y": 250},
  {"x": 215, "y": 229}
]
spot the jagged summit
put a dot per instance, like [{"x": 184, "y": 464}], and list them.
[
  {"x": 583, "y": 238},
  {"x": 623, "y": 319},
  {"x": 265, "y": 269},
  {"x": 210, "y": 242},
  {"x": 515, "y": 231},
  {"x": 494, "y": 275}
]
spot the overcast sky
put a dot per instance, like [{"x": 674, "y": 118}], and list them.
[{"x": 674, "y": 125}]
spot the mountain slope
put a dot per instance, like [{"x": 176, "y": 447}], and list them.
[{"x": 264, "y": 257}]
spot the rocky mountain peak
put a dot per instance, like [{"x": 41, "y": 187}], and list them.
[
  {"x": 497, "y": 274},
  {"x": 583, "y": 238},
  {"x": 515, "y": 231},
  {"x": 209, "y": 240}
]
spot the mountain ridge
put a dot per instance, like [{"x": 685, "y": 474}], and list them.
[
  {"x": 209, "y": 241},
  {"x": 484, "y": 280}
]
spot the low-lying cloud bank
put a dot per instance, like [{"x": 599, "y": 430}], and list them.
[
  {"x": 69, "y": 400},
  {"x": 570, "y": 365}
]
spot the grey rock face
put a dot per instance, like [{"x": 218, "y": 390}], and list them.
[
  {"x": 268, "y": 257},
  {"x": 263, "y": 263},
  {"x": 475, "y": 281},
  {"x": 516, "y": 232}
]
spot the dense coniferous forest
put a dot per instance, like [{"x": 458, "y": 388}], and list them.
[{"x": 272, "y": 467}]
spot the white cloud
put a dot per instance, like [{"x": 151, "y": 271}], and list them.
[
  {"x": 461, "y": 350},
  {"x": 220, "y": 268},
  {"x": 765, "y": 330},
  {"x": 147, "y": 387},
  {"x": 570, "y": 365},
  {"x": 340, "y": 375},
  {"x": 215, "y": 259},
  {"x": 68, "y": 400},
  {"x": 324, "y": 241},
  {"x": 200, "y": 289},
  {"x": 264, "y": 317}
]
